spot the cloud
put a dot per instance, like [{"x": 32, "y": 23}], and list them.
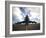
[{"x": 19, "y": 14}]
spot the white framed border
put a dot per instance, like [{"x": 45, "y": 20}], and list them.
[{"x": 31, "y": 31}]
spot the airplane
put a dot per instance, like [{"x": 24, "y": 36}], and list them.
[{"x": 26, "y": 21}]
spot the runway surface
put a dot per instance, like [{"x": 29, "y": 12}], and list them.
[{"x": 21, "y": 27}]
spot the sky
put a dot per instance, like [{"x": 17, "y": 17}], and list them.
[{"x": 19, "y": 13}]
